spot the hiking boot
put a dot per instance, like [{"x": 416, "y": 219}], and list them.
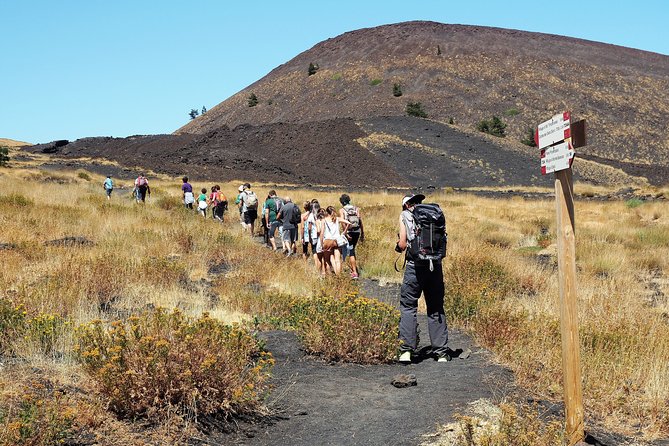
[
  {"x": 405, "y": 357},
  {"x": 443, "y": 358}
]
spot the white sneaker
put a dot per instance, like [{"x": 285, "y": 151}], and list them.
[
  {"x": 444, "y": 358},
  {"x": 405, "y": 357}
]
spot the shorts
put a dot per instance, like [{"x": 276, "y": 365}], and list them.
[
  {"x": 353, "y": 238},
  {"x": 273, "y": 226},
  {"x": 305, "y": 247},
  {"x": 109, "y": 191},
  {"x": 250, "y": 216},
  {"x": 290, "y": 235}
]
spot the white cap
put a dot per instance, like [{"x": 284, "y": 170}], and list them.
[{"x": 413, "y": 198}]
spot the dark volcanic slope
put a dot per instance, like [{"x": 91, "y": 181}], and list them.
[
  {"x": 316, "y": 153},
  {"x": 470, "y": 73},
  {"x": 377, "y": 152}
]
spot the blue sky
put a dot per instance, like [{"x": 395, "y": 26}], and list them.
[{"x": 72, "y": 69}]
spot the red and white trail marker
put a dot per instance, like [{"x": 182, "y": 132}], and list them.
[
  {"x": 554, "y": 130},
  {"x": 557, "y": 157}
]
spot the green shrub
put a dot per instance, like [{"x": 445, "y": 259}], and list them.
[
  {"x": 163, "y": 362},
  {"x": 349, "y": 328},
  {"x": 397, "y": 90},
  {"x": 513, "y": 111},
  {"x": 375, "y": 82},
  {"x": 416, "y": 109},
  {"x": 16, "y": 200},
  {"x": 494, "y": 126},
  {"x": 633, "y": 203},
  {"x": 528, "y": 139},
  {"x": 336, "y": 76},
  {"x": 84, "y": 176},
  {"x": 4, "y": 156},
  {"x": 253, "y": 100},
  {"x": 313, "y": 68}
]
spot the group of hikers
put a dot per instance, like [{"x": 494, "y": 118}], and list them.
[
  {"x": 330, "y": 236},
  {"x": 327, "y": 235},
  {"x": 214, "y": 199},
  {"x": 140, "y": 190}
]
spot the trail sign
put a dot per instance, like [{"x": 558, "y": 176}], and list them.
[
  {"x": 554, "y": 130},
  {"x": 554, "y": 138},
  {"x": 557, "y": 157}
]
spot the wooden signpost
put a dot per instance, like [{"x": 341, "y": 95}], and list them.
[{"x": 554, "y": 138}]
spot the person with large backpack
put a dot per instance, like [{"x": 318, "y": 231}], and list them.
[
  {"x": 142, "y": 187},
  {"x": 422, "y": 237},
  {"x": 249, "y": 201},
  {"x": 354, "y": 233}
]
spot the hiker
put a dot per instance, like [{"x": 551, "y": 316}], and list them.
[
  {"x": 354, "y": 233},
  {"x": 290, "y": 216},
  {"x": 320, "y": 224},
  {"x": 332, "y": 238},
  {"x": 249, "y": 202},
  {"x": 187, "y": 191},
  {"x": 202, "y": 202},
  {"x": 238, "y": 202},
  {"x": 421, "y": 275},
  {"x": 312, "y": 229},
  {"x": 108, "y": 186},
  {"x": 273, "y": 205},
  {"x": 221, "y": 204},
  {"x": 142, "y": 188},
  {"x": 216, "y": 203},
  {"x": 309, "y": 234}
]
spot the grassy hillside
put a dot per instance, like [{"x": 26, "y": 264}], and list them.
[
  {"x": 11, "y": 143},
  {"x": 500, "y": 278}
]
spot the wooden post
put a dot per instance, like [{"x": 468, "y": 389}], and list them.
[{"x": 571, "y": 360}]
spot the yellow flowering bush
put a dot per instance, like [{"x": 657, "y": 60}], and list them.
[
  {"x": 349, "y": 328},
  {"x": 19, "y": 328},
  {"x": 34, "y": 413},
  {"x": 163, "y": 362}
]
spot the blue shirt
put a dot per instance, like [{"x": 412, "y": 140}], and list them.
[{"x": 109, "y": 184}]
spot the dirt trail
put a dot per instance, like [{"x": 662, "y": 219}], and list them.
[{"x": 346, "y": 404}]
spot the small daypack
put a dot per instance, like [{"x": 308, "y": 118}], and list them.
[
  {"x": 251, "y": 200},
  {"x": 278, "y": 203},
  {"x": 353, "y": 217},
  {"x": 429, "y": 238},
  {"x": 296, "y": 216}
]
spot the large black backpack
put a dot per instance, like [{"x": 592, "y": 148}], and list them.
[{"x": 430, "y": 237}]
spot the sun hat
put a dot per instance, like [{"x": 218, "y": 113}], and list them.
[{"x": 413, "y": 199}]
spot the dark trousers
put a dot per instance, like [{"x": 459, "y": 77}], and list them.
[{"x": 419, "y": 279}]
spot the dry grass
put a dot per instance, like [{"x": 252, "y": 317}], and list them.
[
  {"x": 504, "y": 281},
  {"x": 503, "y": 286}
]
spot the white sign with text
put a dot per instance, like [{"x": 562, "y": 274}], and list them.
[
  {"x": 554, "y": 130},
  {"x": 556, "y": 158}
]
